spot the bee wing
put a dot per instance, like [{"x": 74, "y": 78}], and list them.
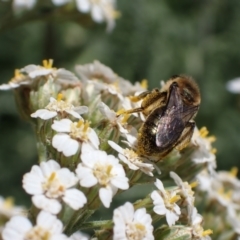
[{"x": 174, "y": 119}]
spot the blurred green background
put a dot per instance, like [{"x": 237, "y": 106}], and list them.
[{"x": 152, "y": 40}]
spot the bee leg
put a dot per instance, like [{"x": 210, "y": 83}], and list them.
[
  {"x": 140, "y": 96},
  {"x": 186, "y": 136},
  {"x": 133, "y": 110}
]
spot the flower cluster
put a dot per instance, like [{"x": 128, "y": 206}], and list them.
[
  {"x": 88, "y": 154},
  {"x": 100, "y": 10}
]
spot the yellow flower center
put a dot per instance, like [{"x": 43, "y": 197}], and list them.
[
  {"x": 234, "y": 171},
  {"x": 135, "y": 231},
  {"x": 53, "y": 187},
  {"x": 8, "y": 203},
  {"x": 48, "y": 63},
  {"x": 59, "y": 97},
  {"x": 207, "y": 232},
  {"x": 38, "y": 233},
  {"x": 144, "y": 83},
  {"x": 102, "y": 173},
  {"x": 79, "y": 130}
]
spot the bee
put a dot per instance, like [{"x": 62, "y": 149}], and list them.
[{"x": 169, "y": 116}]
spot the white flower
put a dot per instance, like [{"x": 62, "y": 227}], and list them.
[
  {"x": 130, "y": 224},
  {"x": 99, "y": 168},
  {"x": 73, "y": 135},
  {"x": 50, "y": 184},
  {"x": 233, "y": 85},
  {"x": 59, "y": 106},
  {"x": 113, "y": 118},
  {"x": 197, "y": 230},
  {"x": 79, "y": 236},
  {"x": 104, "y": 78},
  {"x": 165, "y": 203},
  {"x": 60, "y": 2},
  {"x": 8, "y": 209},
  {"x": 131, "y": 158},
  {"x": 47, "y": 227},
  {"x": 101, "y": 10},
  {"x": 204, "y": 152},
  {"x": 186, "y": 189},
  {"x": 23, "y": 4}
]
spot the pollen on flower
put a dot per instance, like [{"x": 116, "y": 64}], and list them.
[
  {"x": 38, "y": 232},
  {"x": 234, "y": 171},
  {"x": 8, "y": 203},
  {"x": 48, "y": 63},
  {"x": 174, "y": 199},
  {"x": 144, "y": 83},
  {"x": 225, "y": 194},
  {"x": 207, "y": 232},
  {"x": 18, "y": 76},
  {"x": 193, "y": 184},
  {"x": 135, "y": 231},
  {"x": 59, "y": 97},
  {"x": 102, "y": 173},
  {"x": 79, "y": 130},
  {"x": 52, "y": 186}
]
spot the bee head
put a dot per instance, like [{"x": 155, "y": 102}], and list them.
[{"x": 188, "y": 89}]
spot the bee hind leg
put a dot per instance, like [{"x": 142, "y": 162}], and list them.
[{"x": 186, "y": 136}]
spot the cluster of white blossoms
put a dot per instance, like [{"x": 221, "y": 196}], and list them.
[
  {"x": 88, "y": 154},
  {"x": 100, "y": 10}
]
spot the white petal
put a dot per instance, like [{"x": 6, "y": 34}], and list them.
[
  {"x": 32, "y": 182},
  {"x": 159, "y": 185},
  {"x": 233, "y": 85},
  {"x": 60, "y": 2},
  {"x": 159, "y": 206},
  {"x": 83, "y": 5},
  {"x": 44, "y": 203},
  {"x": 106, "y": 111},
  {"x": 8, "y": 86},
  {"x": 97, "y": 15},
  {"x": 74, "y": 114},
  {"x": 81, "y": 109},
  {"x": 49, "y": 222},
  {"x": 64, "y": 143},
  {"x": 63, "y": 125},
  {"x": 87, "y": 179},
  {"x": 74, "y": 198},
  {"x": 120, "y": 182},
  {"x": 16, "y": 228},
  {"x": 66, "y": 177},
  {"x": 171, "y": 218},
  {"x": 44, "y": 114},
  {"x": 49, "y": 167},
  {"x": 93, "y": 138},
  {"x": 116, "y": 147},
  {"x": 105, "y": 196}
]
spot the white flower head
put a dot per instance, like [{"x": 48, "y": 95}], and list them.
[
  {"x": 132, "y": 159},
  {"x": 59, "y": 106},
  {"x": 8, "y": 209},
  {"x": 73, "y": 135},
  {"x": 49, "y": 184},
  {"x": 233, "y": 85},
  {"x": 79, "y": 236},
  {"x": 99, "y": 168},
  {"x": 47, "y": 227},
  {"x": 101, "y": 10},
  {"x": 113, "y": 118},
  {"x": 185, "y": 188},
  {"x": 19, "y": 5},
  {"x": 197, "y": 230},
  {"x": 204, "y": 152},
  {"x": 130, "y": 224},
  {"x": 18, "y": 80},
  {"x": 165, "y": 203}
]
